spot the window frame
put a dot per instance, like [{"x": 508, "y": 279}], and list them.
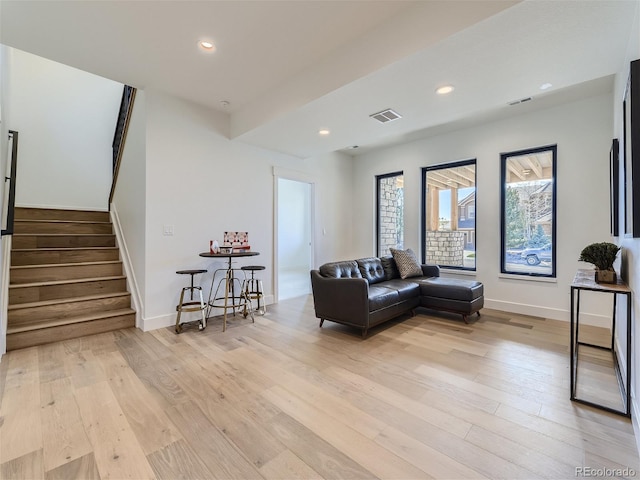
[
  {"x": 378, "y": 178},
  {"x": 503, "y": 197},
  {"x": 423, "y": 220}
]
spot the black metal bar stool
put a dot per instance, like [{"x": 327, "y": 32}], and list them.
[
  {"x": 252, "y": 287},
  {"x": 191, "y": 306}
]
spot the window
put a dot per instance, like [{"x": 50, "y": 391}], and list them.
[
  {"x": 528, "y": 214},
  {"x": 449, "y": 215},
  {"x": 389, "y": 212}
]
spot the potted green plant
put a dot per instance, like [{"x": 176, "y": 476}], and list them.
[{"x": 602, "y": 255}]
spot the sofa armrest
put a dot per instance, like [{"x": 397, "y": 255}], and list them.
[
  {"x": 345, "y": 300},
  {"x": 431, "y": 270}
]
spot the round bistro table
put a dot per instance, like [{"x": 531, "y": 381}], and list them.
[{"x": 230, "y": 300}]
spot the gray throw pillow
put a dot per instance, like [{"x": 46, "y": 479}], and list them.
[{"x": 407, "y": 263}]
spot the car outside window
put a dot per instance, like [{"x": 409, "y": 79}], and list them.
[{"x": 528, "y": 212}]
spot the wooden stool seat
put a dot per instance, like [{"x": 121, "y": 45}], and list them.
[{"x": 192, "y": 306}]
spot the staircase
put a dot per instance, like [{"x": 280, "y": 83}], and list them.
[{"x": 66, "y": 278}]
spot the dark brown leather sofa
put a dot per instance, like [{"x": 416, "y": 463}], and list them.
[{"x": 368, "y": 291}]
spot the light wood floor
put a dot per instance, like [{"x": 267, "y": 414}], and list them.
[{"x": 425, "y": 397}]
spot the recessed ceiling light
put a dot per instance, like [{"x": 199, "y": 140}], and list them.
[
  {"x": 207, "y": 46},
  {"x": 545, "y": 86},
  {"x": 324, "y": 132},
  {"x": 443, "y": 90}
]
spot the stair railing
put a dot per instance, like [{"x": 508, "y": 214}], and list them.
[
  {"x": 8, "y": 214},
  {"x": 120, "y": 135}
]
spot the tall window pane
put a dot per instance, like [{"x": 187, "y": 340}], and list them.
[
  {"x": 529, "y": 212},
  {"x": 449, "y": 215},
  {"x": 390, "y": 212}
]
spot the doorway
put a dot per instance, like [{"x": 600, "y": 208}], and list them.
[{"x": 294, "y": 241}]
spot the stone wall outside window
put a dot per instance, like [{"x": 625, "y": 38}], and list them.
[
  {"x": 389, "y": 229},
  {"x": 445, "y": 248}
]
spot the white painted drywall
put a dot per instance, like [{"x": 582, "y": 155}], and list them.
[
  {"x": 582, "y": 131},
  {"x": 66, "y": 119},
  {"x": 630, "y": 264},
  {"x": 5, "y": 62},
  {"x": 203, "y": 184},
  {"x": 129, "y": 199}
]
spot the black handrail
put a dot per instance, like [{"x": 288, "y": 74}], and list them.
[
  {"x": 13, "y": 135},
  {"x": 120, "y": 135}
]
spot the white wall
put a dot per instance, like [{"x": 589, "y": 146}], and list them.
[
  {"x": 582, "y": 131},
  {"x": 66, "y": 119},
  {"x": 129, "y": 200},
  {"x": 5, "y": 62},
  {"x": 630, "y": 265},
  {"x": 203, "y": 184}
]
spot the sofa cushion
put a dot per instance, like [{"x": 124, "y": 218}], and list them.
[
  {"x": 381, "y": 297},
  {"x": 407, "y": 263},
  {"x": 371, "y": 269},
  {"x": 390, "y": 267},
  {"x": 451, "y": 288},
  {"x": 345, "y": 269},
  {"x": 406, "y": 288}
]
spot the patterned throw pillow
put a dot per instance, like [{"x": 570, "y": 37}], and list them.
[{"x": 407, "y": 263}]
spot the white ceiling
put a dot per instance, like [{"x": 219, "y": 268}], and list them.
[{"x": 289, "y": 68}]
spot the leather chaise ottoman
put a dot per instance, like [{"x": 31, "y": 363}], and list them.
[{"x": 464, "y": 297}]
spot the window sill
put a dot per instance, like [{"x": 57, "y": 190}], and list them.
[
  {"x": 453, "y": 271},
  {"x": 528, "y": 278}
]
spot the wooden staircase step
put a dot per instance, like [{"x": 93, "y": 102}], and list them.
[
  {"x": 25, "y": 213},
  {"x": 41, "y": 256},
  {"x": 27, "y": 313},
  {"x": 70, "y": 320},
  {"x": 66, "y": 278},
  {"x": 32, "y": 240},
  {"x": 53, "y": 272},
  {"x": 60, "y": 226},
  {"x": 43, "y": 291},
  {"x": 62, "y": 329}
]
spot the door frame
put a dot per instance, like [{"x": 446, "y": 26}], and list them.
[{"x": 287, "y": 174}]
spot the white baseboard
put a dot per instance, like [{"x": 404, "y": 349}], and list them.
[
  {"x": 634, "y": 420},
  {"x": 5, "y": 244},
  {"x": 546, "y": 312},
  {"x": 64, "y": 207},
  {"x": 622, "y": 363},
  {"x": 168, "y": 320},
  {"x": 160, "y": 321},
  {"x": 132, "y": 284}
]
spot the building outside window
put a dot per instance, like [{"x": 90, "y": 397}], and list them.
[
  {"x": 449, "y": 215},
  {"x": 528, "y": 214},
  {"x": 390, "y": 212}
]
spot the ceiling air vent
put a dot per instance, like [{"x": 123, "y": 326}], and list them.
[
  {"x": 385, "y": 116},
  {"x": 522, "y": 100}
]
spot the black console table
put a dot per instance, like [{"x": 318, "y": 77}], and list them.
[{"x": 585, "y": 280}]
